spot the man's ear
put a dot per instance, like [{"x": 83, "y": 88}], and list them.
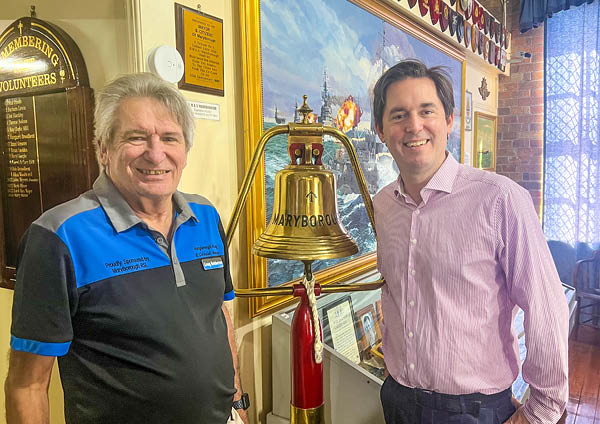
[
  {"x": 103, "y": 153},
  {"x": 449, "y": 122},
  {"x": 379, "y": 133}
]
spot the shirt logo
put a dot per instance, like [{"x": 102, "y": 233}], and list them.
[
  {"x": 127, "y": 264},
  {"x": 208, "y": 250}
]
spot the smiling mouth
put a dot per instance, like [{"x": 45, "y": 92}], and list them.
[
  {"x": 152, "y": 171},
  {"x": 416, "y": 143}
]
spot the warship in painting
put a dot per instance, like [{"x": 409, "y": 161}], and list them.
[
  {"x": 369, "y": 149},
  {"x": 278, "y": 119},
  {"x": 366, "y": 143}
]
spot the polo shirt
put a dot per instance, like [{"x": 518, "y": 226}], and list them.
[{"x": 136, "y": 321}]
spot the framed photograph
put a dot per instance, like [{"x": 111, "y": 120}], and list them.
[
  {"x": 484, "y": 142},
  {"x": 333, "y": 51},
  {"x": 199, "y": 39},
  {"x": 370, "y": 333},
  {"x": 339, "y": 329},
  {"x": 468, "y": 111}
]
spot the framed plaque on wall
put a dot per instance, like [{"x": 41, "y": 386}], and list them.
[
  {"x": 46, "y": 115},
  {"x": 199, "y": 39}
]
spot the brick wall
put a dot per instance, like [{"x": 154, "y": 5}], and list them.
[{"x": 521, "y": 112}]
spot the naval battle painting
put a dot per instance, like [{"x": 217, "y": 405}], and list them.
[{"x": 333, "y": 51}]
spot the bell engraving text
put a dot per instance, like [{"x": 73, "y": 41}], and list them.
[{"x": 291, "y": 220}]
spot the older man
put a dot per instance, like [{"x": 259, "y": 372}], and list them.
[
  {"x": 125, "y": 284},
  {"x": 460, "y": 249}
]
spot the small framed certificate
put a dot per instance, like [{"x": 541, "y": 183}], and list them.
[{"x": 339, "y": 327}]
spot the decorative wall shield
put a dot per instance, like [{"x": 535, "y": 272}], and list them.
[
  {"x": 460, "y": 28},
  {"x": 445, "y": 16},
  {"x": 435, "y": 10},
  {"x": 474, "y": 38},
  {"x": 469, "y": 9},
  {"x": 423, "y": 7},
  {"x": 485, "y": 43},
  {"x": 476, "y": 12},
  {"x": 486, "y": 22},
  {"x": 453, "y": 22},
  {"x": 499, "y": 34},
  {"x": 481, "y": 44},
  {"x": 480, "y": 22},
  {"x": 468, "y": 34},
  {"x": 412, "y": 3},
  {"x": 497, "y": 56}
]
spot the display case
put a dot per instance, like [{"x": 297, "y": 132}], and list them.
[{"x": 353, "y": 366}]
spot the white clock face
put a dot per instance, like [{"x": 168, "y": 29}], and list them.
[{"x": 166, "y": 62}]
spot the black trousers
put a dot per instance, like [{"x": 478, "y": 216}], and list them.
[{"x": 403, "y": 405}]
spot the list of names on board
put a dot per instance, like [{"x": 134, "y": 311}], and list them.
[{"x": 22, "y": 178}]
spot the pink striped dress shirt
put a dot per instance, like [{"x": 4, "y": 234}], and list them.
[{"x": 457, "y": 266}]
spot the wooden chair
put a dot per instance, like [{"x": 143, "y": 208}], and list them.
[
  {"x": 565, "y": 258},
  {"x": 586, "y": 279}
]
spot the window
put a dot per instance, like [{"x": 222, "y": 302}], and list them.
[{"x": 572, "y": 153}]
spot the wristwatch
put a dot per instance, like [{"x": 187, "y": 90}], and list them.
[{"x": 243, "y": 403}]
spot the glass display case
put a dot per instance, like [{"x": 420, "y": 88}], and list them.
[{"x": 353, "y": 365}]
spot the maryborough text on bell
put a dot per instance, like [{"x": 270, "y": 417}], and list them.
[{"x": 291, "y": 220}]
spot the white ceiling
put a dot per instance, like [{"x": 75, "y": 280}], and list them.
[{"x": 63, "y": 9}]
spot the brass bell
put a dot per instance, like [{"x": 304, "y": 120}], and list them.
[{"x": 305, "y": 224}]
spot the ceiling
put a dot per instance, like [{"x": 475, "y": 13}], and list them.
[{"x": 63, "y": 9}]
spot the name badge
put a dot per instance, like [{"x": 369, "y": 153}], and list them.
[{"x": 212, "y": 263}]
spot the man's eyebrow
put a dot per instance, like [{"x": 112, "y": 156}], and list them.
[
  {"x": 144, "y": 132},
  {"x": 428, "y": 105},
  {"x": 134, "y": 131},
  {"x": 397, "y": 109}
]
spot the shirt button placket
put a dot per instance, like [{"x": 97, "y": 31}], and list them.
[{"x": 410, "y": 312}]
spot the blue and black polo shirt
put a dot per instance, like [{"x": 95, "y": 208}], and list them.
[{"x": 136, "y": 321}]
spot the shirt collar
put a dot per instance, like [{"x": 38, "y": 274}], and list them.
[
  {"x": 120, "y": 214},
  {"x": 442, "y": 180}
]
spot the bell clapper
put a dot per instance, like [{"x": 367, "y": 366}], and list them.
[{"x": 309, "y": 284}]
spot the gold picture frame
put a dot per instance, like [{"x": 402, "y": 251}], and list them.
[
  {"x": 250, "y": 34},
  {"x": 484, "y": 141}
]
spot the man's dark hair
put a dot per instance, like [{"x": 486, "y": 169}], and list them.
[{"x": 413, "y": 68}]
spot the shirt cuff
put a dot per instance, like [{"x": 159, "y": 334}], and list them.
[
  {"x": 39, "y": 348},
  {"x": 537, "y": 412},
  {"x": 229, "y": 295}
]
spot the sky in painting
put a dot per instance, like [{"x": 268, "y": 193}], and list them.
[{"x": 301, "y": 40}]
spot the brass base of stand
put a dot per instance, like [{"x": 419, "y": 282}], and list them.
[{"x": 307, "y": 416}]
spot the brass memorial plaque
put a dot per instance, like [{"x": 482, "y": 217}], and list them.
[
  {"x": 46, "y": 107},
  {"x": 199, "y": 38}
]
